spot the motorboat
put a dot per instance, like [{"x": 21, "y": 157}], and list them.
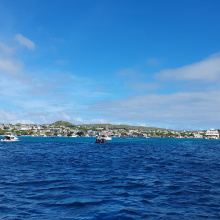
[
  {"x": 9, "y": 137},
  {"x": 212, "y": 134},
  {"x": 100, "y": 139},
  {"x": 108, "y": 138},
  {"x": 74, "y": 135},
  {"x": 43, "y": 135},
  {"x": 105, "y": 134}
]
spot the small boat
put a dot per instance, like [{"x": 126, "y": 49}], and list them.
[
  {"x": 108, "y": 138},
  {"x": 74, "y": 135},
  {"x": 43, "y": 135},
  {"x": 105, "y": 134},
  {"x": 100, "y": 140},
  {"x": 9, "y": 137}
]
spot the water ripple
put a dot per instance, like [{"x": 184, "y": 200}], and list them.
[{"x": 65, "y": 178}]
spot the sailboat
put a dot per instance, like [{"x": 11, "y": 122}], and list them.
[
  {"x": 52, "y": 133},
  {"x": 107, "y": 138},
  {"x": 104, "y": 136}
]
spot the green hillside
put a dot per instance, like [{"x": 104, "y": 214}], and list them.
[
  {"x": 125, "y": 127},
  {"x": 110, "y": 126},
  {"x": 63, "y": 123}
]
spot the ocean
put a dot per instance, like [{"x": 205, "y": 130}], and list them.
[{"x": 133, "y": 178}]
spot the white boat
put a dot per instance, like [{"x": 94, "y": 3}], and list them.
[
  {"x": 108, "y": 138},
  {"x": 74, "y": 135},
  {"x": 212, "y": 134},
  {"x": 146, "y": 136},
  {"x": 9, "y": 137},
  {"x": 43, "y": 135}
]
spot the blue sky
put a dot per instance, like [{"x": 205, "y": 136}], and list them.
[{"x": 145, "y": 62}]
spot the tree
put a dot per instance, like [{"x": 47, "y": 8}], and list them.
[
  {"x": 18, "y": 132},
  {"x": 80, "y": 133},
  {"x": 24, "y": 133},
  {"x": 70, "y": 133},
  {"x": 2, "y": 132},
  {"x": 123, "y": 134}
]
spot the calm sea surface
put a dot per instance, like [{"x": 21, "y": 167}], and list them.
[{"x": 134, "y": 178}]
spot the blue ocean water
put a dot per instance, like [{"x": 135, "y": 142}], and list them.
[{"x": 134, "y": 178}]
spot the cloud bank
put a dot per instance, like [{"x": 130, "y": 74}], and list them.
[
  {"x": 207, "y": 70},
  {"x": 182, "y": 110}
]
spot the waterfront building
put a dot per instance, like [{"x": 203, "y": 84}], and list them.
[{"x": 198, "y": 135}]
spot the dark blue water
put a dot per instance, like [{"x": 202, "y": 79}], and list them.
[{"x": 74, "y": 178}]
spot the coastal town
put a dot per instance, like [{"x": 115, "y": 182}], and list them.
[{"x": 66, "y": 129}]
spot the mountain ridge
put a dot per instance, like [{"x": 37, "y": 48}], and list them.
[{"x": 110, "y": 126}]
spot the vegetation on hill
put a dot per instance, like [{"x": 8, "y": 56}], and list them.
[
  {"x": 103, "y": 126},
  {"x": 63, "y": 123},
  {"x": 125, "y": 127}
]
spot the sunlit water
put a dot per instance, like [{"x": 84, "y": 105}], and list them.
[{"x": 136, "y": 178}]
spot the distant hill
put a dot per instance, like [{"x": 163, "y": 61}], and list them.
[
  {"x": 125, "y": 127},
  {"x": 63, "y": 123},
  {"x": 110, "y": 126}
]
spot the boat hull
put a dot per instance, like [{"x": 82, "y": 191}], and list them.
[{"x": 9, "y": 140}]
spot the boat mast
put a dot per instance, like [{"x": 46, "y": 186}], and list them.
[{"x": 106, "y": 127}]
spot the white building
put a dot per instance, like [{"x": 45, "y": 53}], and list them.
[
  {"x": 198, "y": 135},
  {"x": 24, "y": 128}
]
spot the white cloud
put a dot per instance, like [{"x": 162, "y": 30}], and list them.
[
  {"x": 141, "y": 86},
  {"x": 185, "y": 109},
  {"x": 79, "y": 120},
  {"x": 25, "y": 41},
  {"x": 7, "y": 63},
  {"x": 65, "y": 116},
  {"x": 23, "y": 121},
  {"x": 49, "y": 117},
  {"x": 6, "y": 50},
  {"x": 129, "y": 73},
  {"x": 43, "y": 117},
  {"x": 7, "y": 116},
  {"x": 142, "y": 124},
  {"x": 136, "y": 81},
  {"x": 10, "y": 66},
  {"x": 155, "y": 62},
  {"x": 205, "y": 70}
]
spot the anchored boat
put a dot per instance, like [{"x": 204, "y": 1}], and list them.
[
  {"x": 100, "y": 139},
  {"x": 9, "y": 137}
]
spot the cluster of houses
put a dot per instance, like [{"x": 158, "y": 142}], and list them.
[{"x": 87, "y": 131}]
